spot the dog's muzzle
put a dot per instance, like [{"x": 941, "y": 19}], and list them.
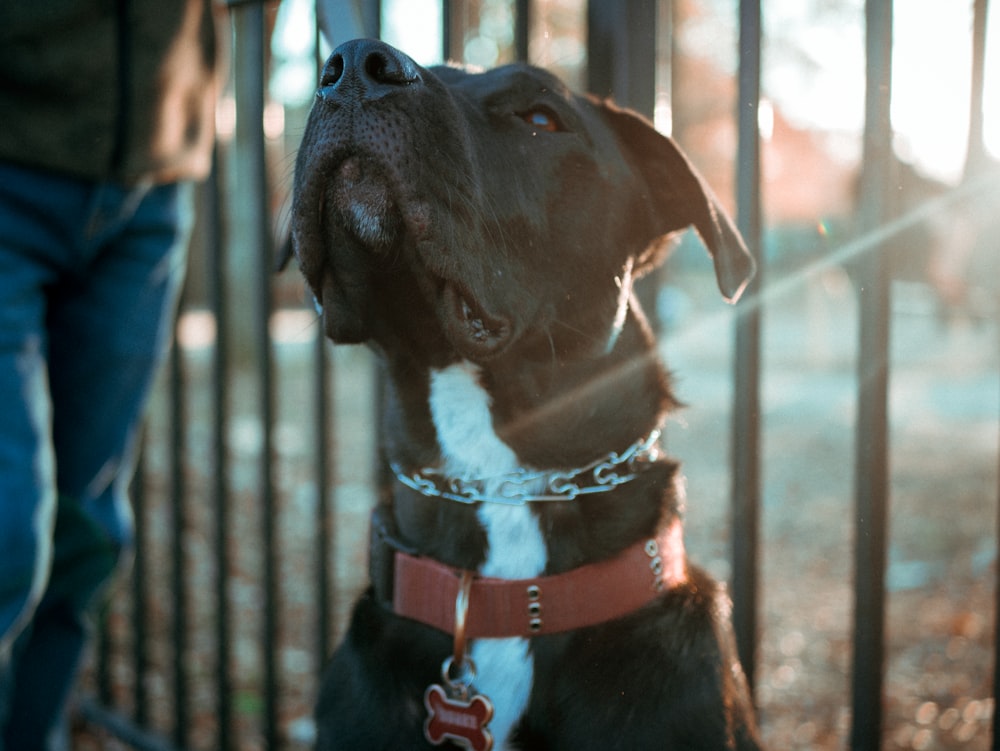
[{"x": 361, "y": 210}]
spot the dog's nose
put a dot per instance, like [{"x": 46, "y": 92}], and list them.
[{"x": 366, "y": 68}]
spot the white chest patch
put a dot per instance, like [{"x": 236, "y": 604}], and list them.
[{"x": 460, "y": 408}]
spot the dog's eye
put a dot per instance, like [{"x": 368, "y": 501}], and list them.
[{"x": 542, "y": 119}]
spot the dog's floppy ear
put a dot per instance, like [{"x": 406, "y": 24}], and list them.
[{"x": 678, "y": 197}]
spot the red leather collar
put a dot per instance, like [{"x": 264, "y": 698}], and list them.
[{"x": 426, "y": 590}]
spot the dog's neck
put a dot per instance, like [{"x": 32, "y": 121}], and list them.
[
  {"x": 476, "y": 420},
  {"x": 552, "y": 411},
  {"x": 564, "y": 413}
]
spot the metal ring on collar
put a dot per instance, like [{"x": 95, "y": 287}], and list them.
[{"x": 461, "y": 618}]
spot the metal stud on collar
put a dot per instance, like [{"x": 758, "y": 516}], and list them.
[
  {"x": 655, "y": 563},
  {"x": 534, "y": 607}
]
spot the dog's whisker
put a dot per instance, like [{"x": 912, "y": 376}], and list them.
[
  {"x": 553, "y": 353},
  {"x": 595, "y": 339}
]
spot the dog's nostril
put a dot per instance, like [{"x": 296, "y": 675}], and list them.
[
  {"x": 376, "y": 67},
  {"x": 332, "y": 72},
  {"x": 382, "y": 67}
]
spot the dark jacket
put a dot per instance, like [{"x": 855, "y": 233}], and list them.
[{"x": 108, "y": 89}]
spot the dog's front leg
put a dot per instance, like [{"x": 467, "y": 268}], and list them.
[{"x": 371, "y": 698}]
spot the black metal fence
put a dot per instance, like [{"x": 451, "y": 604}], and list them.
[{"x": 251, "y": 499}]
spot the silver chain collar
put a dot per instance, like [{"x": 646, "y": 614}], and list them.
[{"x": 516, "y": 488}]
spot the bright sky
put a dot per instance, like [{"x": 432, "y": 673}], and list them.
[
  {"x": 931, "y": 82},
  {"x": 415, "y": 27},
  {"x": 814, "y": 70}
]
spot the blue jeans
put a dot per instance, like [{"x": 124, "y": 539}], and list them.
[{"x": 89, "y": 277}]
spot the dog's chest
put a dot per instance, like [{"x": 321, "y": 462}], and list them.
[{"x": 461, "y": 411}]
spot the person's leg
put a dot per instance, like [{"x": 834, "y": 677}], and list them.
[
  {"x": 109, "y": 328},
  {"x": 109, "y": 334},
  {"x": 31, "y": 241}
]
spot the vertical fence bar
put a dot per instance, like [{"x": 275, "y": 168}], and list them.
[
  {"x": 140, "y": 606},
  {"x": 973, "y": 163},
  {"x": 371, "y": 18},
  {"x": 179, "y": 584},
  {"x": 220, "y": 497},
  {"x": 745, "y": 437},
  {"x": 102, "y": 649},
  {"x": 325, "y": 508},
  {"x": 522, "y": 29},
  {"x": 269, "y": 534},
  {"x": 621, "y": 44},
  {"x": 447, "y": 32},
  {"x": 265, "y": 268},
  {"x": 871, "y": 440},
  {"x": 600, "y": 47},
  {"x": 249, "y": 63},
  {"x": 975, "y": 160},
  {"x": 976, "y": 153},
  {"x": 621, "y": 62},
  {"x": 995, "y": 743}
]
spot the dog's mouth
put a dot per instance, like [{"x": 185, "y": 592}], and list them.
[
  {"x": 372, "y": 227},
  {"x": 475, "y": 333}
]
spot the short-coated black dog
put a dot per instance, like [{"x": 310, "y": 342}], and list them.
[{"x": 482, "y": 231}]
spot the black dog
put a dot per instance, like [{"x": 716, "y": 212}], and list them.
[{"x": 529, "y": 587}]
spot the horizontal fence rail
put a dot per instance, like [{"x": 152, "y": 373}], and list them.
[{"x": 250, "y": 497}]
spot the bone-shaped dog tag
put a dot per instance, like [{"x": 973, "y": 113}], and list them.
[
  {"x": 458, "y": 714},
  {"x": 463, "y": 722}
]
